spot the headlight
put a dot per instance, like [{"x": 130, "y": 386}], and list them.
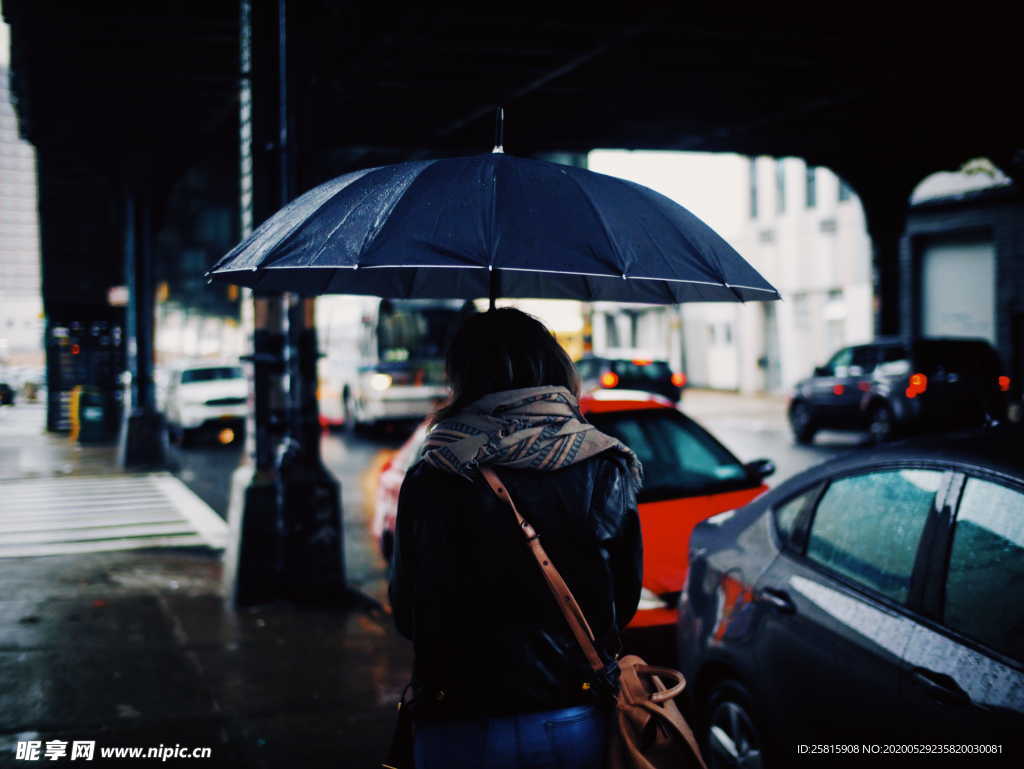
[
  {"x": 380, "y": 381},
  {"x": 648, "y": 600}
]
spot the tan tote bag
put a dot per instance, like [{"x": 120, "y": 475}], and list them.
[{"x": 648, "y": 731}]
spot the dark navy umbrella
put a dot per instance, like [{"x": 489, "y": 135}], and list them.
[{"x": 491, "y": 225}]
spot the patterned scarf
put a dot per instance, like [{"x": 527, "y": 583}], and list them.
[{"x": 533, "y": 428}]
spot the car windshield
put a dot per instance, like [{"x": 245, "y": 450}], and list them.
[
  {"x": 680, "y": 458},
  {"x": 644, "y": 371},
  {"x": 192, "y": 375}
]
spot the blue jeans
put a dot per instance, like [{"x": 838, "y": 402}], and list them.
[{"x": 570, "y": 738}]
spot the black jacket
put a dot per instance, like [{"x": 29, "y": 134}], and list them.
[{"x": 488, "y": 636}]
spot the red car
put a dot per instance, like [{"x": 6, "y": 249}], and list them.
[{"x": 688, "y": 476}]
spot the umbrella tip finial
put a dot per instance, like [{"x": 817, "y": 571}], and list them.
[{"x": 499, "y": 131}]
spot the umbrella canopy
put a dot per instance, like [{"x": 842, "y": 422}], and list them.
[{"x": 491, "y": 225}]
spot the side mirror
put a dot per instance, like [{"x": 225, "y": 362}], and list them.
[
  {"x": 822, "y": 371},
  {"x": 760, "y": 468}
]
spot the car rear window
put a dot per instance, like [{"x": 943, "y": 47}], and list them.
[
  {"x": 653, "y": 371},
  {"x": 679, "y": 457},
  {"x": 210, "y": 374},
  {"x": 986, "y": 567},
  {"x": 960, "y": 356}
]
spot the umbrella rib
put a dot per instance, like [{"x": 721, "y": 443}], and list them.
[
  {"x": 753, "y": 288},
  {"x": 339, "y": 184},
  {"x": 376, "y": 267},
  {"x": 341, "y": 223},
  {"x": 430, "y": 266},
  {"x": 705, "y": 283},
  {"x": 560, "y": 272},
  {"x": 636, "y": 189},
  {"x": 616, "y": 251}
]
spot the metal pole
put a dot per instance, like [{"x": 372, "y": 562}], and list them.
[
  {"x": 286, "y": 529},
  {"x": 253, "y": 562},
  {"x": 143, "y": 440}
]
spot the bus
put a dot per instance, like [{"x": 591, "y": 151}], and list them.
[{"x": 383, "y": 359}]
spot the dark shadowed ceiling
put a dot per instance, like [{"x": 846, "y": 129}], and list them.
[
  {"x": 837, "y": 85},
  {"x": 111, "y": 88}
]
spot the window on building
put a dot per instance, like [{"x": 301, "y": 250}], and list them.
[
  {"x": 801, "y": 311},
  {"x": 611, "y": 331},
  {"x": 811, "y": 187},
  {"x": 845, "y": 191},
  {"x": 753, "y": 187},
  {"x": 780, "y": 187}
]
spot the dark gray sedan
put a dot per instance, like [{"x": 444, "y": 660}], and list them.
[{"x": 874, "y": 603}]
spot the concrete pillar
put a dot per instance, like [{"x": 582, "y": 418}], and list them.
[
  {"x": 143, "y": 439},
  {"x": 886, "y": 200},
  {"x": 309, "y": 498}
]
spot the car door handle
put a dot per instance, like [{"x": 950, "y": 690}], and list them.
[
  {"x": 777, "y": 599},
  {"x": 940, "y": 686}
]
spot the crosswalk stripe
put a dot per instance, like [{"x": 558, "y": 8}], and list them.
[
  {"x": 73, "y": 524},
  {"x": 85, "y": 504},
  {"x": 77, "y": 516},
  {"x": 69, "y": 548},
  {"x": 97, "y": 533},
  {"x": 82, "y": 514}
]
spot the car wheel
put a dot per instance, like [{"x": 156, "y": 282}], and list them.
[
  {"x": 881, "y": 426},
  {"x": 801, "y": 420},
  {"x": 733, "y": 738}
]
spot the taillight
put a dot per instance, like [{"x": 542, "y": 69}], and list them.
[
  {"x": 1004, "y": 383},
  {"x": 838, "y": 389},
  {"x": 640, "y": 362},
  {"x": 609, "y": 379},
  {"x": 386, "y": 466},
  {"x": 679, "y": 380},
  {"x": 918, "y": 384}
]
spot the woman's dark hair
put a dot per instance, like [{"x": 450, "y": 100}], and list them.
[{"x": 503, "y": 349}]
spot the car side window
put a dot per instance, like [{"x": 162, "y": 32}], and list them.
[
  {"x": 895, "y": 361},
  {"x": 787, "y": 513},
  {"x": 863, "y": 360},
  {"x": 867, "y": 527},
  {"x": 986, "y": 568},
  {"x": 840, "y": 362}
]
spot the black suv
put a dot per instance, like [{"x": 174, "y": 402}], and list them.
[
  {"x": 652, "y": 376},
  {"x": 891, "y": 386}
]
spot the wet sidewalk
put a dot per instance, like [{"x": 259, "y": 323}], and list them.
[{"x": 137, "y": 649}]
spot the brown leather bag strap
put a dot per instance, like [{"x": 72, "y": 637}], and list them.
[{"x": 563, "y": 596}]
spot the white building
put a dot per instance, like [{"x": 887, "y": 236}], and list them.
[
  {"x": 21, "y": 306},
  {"x": 800, "y": 227},
  {"x": 805, "y": 232}
]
